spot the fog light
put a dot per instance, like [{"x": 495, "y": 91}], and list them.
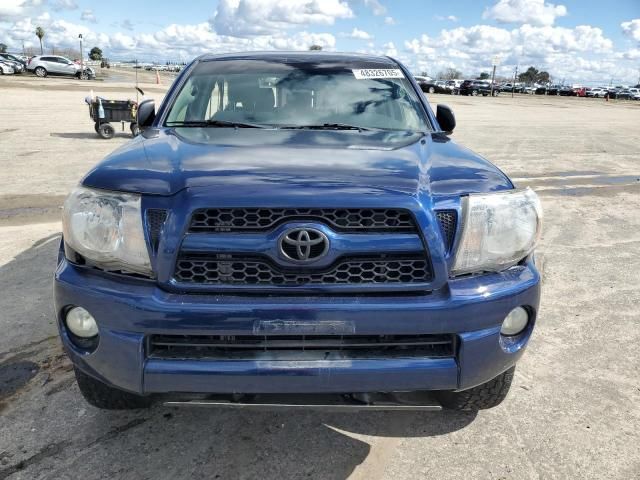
[
  {"x": 81, "y": 323},
  {"x": 515, "y": 322}
]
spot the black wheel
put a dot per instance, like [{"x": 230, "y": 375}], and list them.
[
  {"x": 103, "y": 396},
  {"x": 96, "y": 126},
  {"x": 40, "y": 72},
  {"x": 83, "y": 76},
  {"x": 487, "y": 395},
  {"x": 432, "y": 90},
  {"x": 474, "y": 93},
  {"x": 135, "y": 129},
  {"x": 106, "y": 131},
  {"x": 495, "y": 93}
]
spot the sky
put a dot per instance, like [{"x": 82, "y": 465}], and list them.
[{"x": 576, "y": 41}]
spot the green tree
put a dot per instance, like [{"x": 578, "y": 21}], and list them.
[
  {"x": 315, "y": 47},
  {"x": 449, "y": 74},
  {"x": 533, "y": 75},
  {"x": 3, "y": 48},
  {"x": 484, "y": 76},
  {"x": 40, "y": 35},
  {"x": 95, "y": 54},
  {"x": 543, "y": 77}
]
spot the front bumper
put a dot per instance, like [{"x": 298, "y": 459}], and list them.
[{"x": 128, "y": 311}]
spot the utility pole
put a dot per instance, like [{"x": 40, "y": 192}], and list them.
[
  {"x": 495, "y": 61},
  {"x": 81, "y": 59},
  {"x": 136, "y": 69},
  {"x": 515, "y": 77}
]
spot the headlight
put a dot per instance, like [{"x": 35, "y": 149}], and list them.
[
  {"x": 106, "y": 228},
  {"x": 498, "y": 230}
]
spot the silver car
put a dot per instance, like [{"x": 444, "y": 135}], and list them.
[
  {"x": 15, "y": 62},
  {"x": 6, "y": 68},
  {"x": 43, "y": 65}
]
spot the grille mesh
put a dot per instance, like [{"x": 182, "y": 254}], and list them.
[
  {"x": 227, "y": 270},
  {"x": 341, "y": 219},
  {"x": 246, "y": 346},
  {"x": 155, "y": 221},
  {"x": 447, "y": 220}
]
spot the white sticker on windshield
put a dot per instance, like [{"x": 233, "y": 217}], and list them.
[{"x": 368, "y": 73}]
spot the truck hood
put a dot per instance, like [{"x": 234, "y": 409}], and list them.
[{"x": 253, "y": 161}]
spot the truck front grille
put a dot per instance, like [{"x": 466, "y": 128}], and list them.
[
  {"x": 340, "y": 219},
  {"x": 448, "y": 220},
  {"x": 243, "y": 270},
  {"x": 287, "y": 346}
]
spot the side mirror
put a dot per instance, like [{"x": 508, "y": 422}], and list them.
[
  {"x": 146, "y": 114},
  {"x": 446, "y": 118}
]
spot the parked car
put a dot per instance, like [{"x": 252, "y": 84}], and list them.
[
  {"x": 597, "y": 92},
  {"x": 511, "y": 87},
  {"x": 17, "y": 61},
  {"x": 553, "y": 90},
  {"x": 17, "y": 66},
  {"x": 431, "y": 86},
  {"x": 620, "y": 94},
  {"x": 477, "y": 87},
  {"x": 635, "y": 93},
  {"x": 453, "y": 85},
  {"x": 220, "y": 253},
  {"x": 579, "y": 92},
  {"x": 6, "y": 68},
  {"x": 43, "y": 65}
]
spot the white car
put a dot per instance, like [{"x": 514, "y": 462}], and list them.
[
  {"x": 635, "y": 93},
  {"x": 6, "y": 69},
  {"x": 43, "y": 65},
  {"x": 597, "y": 92}
]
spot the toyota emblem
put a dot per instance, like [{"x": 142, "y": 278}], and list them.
[{"x": 303, "y": 244}]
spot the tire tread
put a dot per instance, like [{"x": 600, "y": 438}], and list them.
[
  {"x": 484, "y": 396},
  {"x": 105, "y": 397}
]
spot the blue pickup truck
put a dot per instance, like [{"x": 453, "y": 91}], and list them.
[{"x": 296, "y": 225}]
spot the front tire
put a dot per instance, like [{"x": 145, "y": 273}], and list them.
[
  {"x": 474, "y": 93},
  {"x": 486, "y": 395},
  {"x": 106, "y": 131},
  {"x": 432, "y": 90},
  {"x": 40, "y": 72},
  {"x": 103, "y": 396}
]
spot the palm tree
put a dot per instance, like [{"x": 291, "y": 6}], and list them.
[{"x": 40, "y": 35}]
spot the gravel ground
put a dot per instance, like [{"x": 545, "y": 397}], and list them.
[{"x": 573, "y": 412}]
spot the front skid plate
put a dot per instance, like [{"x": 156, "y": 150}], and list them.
[{"x": 410, "y": 401}]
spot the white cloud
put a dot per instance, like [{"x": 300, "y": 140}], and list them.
[
  {"x": 534, "y": 12},
  {"x": 450, "y": 18},
  {"x": 88, "y": 16},
  {"x": 11, "y": 8},
  {"x": 262, "y": 17},
  {"x": 632, "y": 29},
  {"x": 633, "y": 54},
  {"x": 389, "y": 20},
  {"x": 390, "y": 49},
  {"x": 359, "y": 34},
  {"x": 64, "y": 5},
  {"x": 562, "y": 51},
  {"x": 376, "y": 7}
]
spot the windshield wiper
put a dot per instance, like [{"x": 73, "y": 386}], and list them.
[
  {"x": 215, "y": 123},
  {"x": 327, "y": 126}
]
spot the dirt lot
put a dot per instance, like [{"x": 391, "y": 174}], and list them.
[{"x": 574, "y": 411}]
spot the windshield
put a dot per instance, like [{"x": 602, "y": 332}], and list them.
[{"x": 276, "y": 94}]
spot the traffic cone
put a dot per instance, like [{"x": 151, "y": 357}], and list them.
[{"x": 157, "y": 77}]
